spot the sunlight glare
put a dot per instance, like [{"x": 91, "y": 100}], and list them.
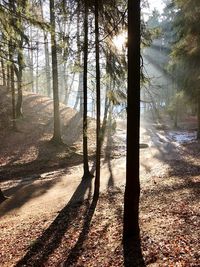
[{"x": 120, "y": 40}]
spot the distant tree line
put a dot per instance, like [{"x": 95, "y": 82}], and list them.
[{"x": 175, "y": 52}]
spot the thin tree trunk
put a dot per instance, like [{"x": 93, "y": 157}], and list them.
[
  {"x": 80, "y": 84},
  {"x": 46, "y": 52},
  {"x": 31, "y": 59},
  {"x": 12, "y": 74},
  {"x": 107, "y": 101},
  {"x": 20, "y": 58},
  {"x": 105, "y": 118},
  {"x": 8, "y": 76},
  {"x": 98, "y": 104},
  {"x": 12, "y": 84},
  {"x": 47, "y": 65},
  {"x": 176, "y": 115},
  {"x": 79, "y": 93},
  {"x": 37, "y": 67},
  {"x": 86, "y": 172},
  {"x": 19, "y": 83},
  {"x": 68, "y": 89},
  {"x": 132, "y": 189},
  {"x": 57, "y": 131},
  {"x": 3, "y": 72}
]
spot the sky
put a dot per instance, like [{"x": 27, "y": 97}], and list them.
[{"x": 158, "y": 4}]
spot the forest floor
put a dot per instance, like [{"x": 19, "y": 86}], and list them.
[{"x": 49, "y": 218}]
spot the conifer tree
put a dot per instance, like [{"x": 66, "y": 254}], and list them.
[
  {"x": 98, "y": 104},
  {"x": 132, "y": 189},
  {"x": 186, "y": 51},
  {"x": 86, "y": 173},
  {"x": 57, "y": 131}
]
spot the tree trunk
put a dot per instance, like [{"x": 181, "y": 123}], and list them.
[
  {"x": 30, "y": 51},
  {"x": 3, "y": 72},
  {"x": 86, "y": 172},
  {"x": 98, "y": 103},
  {"x": 79, "y": 94},
  {"x": 107, "y": 101},
  {"x": 105, "y": 118},
  {"x": 68, "y": 89},
  {"x": 57, "y": 132},
  {"x": 37, "y": 67},
  {"x": 80, "y": 84},
  {"x": 46, "y": 52},
  {"x": 47, "y": 65},
  {"x": 12, "y": 84},
  {"x": 8, "y": 76},
  {"x": 19, "y": 83},
  {"x": 20, "y": 58},
  {"x": 132, "y": 189}
]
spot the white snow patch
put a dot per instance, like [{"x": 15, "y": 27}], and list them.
[{"x": 182, "y": 137}]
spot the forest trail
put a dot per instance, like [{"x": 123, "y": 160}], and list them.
[{"x": 38, "y": 193}]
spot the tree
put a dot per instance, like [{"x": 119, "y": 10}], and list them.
[
  {"x": 57, "y": 131},
  {"x": 21, "y": 8},
  {"x": 186, "y": 51},
  {"x": 86, "y": 173},
  {"x": 11, "y": 48},
  {"x": 98, "y": 104},
  {"x": 46, "y": 51},
  {"x": 132, "y": 189}
]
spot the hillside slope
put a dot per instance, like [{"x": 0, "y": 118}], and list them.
[{"x": 28, "y": 149}]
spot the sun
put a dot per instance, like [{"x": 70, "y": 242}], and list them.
[{"x": 120, "y": 40}]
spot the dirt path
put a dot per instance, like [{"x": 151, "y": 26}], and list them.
[{"x": 35, "y": 201}]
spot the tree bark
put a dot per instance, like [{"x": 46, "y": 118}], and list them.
[
  {"x": 37, "y": 68},
  {"x": 80, "y": 84},
  {"x": 19, "y": 83},
  {"x": 132, "y": 189},
  {"x": 20, "y": 57},
  {"x": 86, "y": 172},
  {"x": 98, "y": 104},
  {"x": 107, "y": 101},
  {"x": 46, "y": 52},
  {"x": 8, "y": 76},
  {"x": 3, "y": 72},
  {"x": 57, "y": 132},
  {"x": 12, "y": 84},
  {"x": 79, "y": 94},
  {"x": 30, "y": 51},
  {"x": 11, "y": 72}
]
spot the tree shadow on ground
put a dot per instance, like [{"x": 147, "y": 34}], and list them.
[
  {"x": 46, "y": 244},
  {"x": 179, "y": 167},
  {"x": 23, "y": 192},
  {"x": 49, "y": 158},
  {"x": 76, "y": 251},
  {"x": 32, "y": 184}
]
